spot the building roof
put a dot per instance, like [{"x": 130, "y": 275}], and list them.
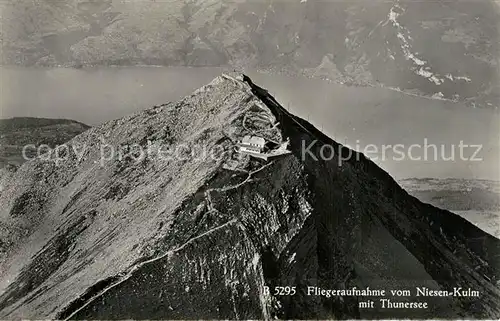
[{"x": 253, "y": 140}]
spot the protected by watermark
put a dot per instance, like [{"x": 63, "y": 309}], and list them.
[
  {"x": 130, "y": 153},
  {"x": 310, "y": 150}
]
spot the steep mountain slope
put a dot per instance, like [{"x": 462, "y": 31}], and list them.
[
  {"x": 15, "y": 133},
  {"x": 446, "y": 49},
  {"x": 197, "y": 230}
]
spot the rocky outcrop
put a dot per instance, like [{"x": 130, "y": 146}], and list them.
[{"x": 197, "y": 234}]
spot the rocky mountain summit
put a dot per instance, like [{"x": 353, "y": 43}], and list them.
[
  {"x": 441, "y": 49},
  {"x": 158, "y": 216}
]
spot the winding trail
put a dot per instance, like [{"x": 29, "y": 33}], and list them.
[
  {"x": 208, "y": 197},
  {"x": 267, "y": 118},
  {"x": 136, "y": 267}
]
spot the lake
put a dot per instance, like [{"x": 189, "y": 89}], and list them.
[{"x": 354, "y": 116}]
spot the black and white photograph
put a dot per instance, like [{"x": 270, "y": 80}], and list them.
[{"x": 249, "y": 159}]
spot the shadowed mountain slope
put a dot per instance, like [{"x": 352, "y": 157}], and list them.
[
  {"x": 18, "y": 132},
  {"x": 197, "y": 231}
]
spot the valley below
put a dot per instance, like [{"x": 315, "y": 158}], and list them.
[
  {"x": 355, "y": 116},
  {"x": 137, "y": 238},
  {"x": 478, "y": 201}
]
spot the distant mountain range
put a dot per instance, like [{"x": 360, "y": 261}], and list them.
[
  {"x": 15, "y": 133},
  {"x": 440, "y": 49}
]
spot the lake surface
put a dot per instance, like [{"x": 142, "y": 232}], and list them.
[{"x": 353, "y": 116}]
